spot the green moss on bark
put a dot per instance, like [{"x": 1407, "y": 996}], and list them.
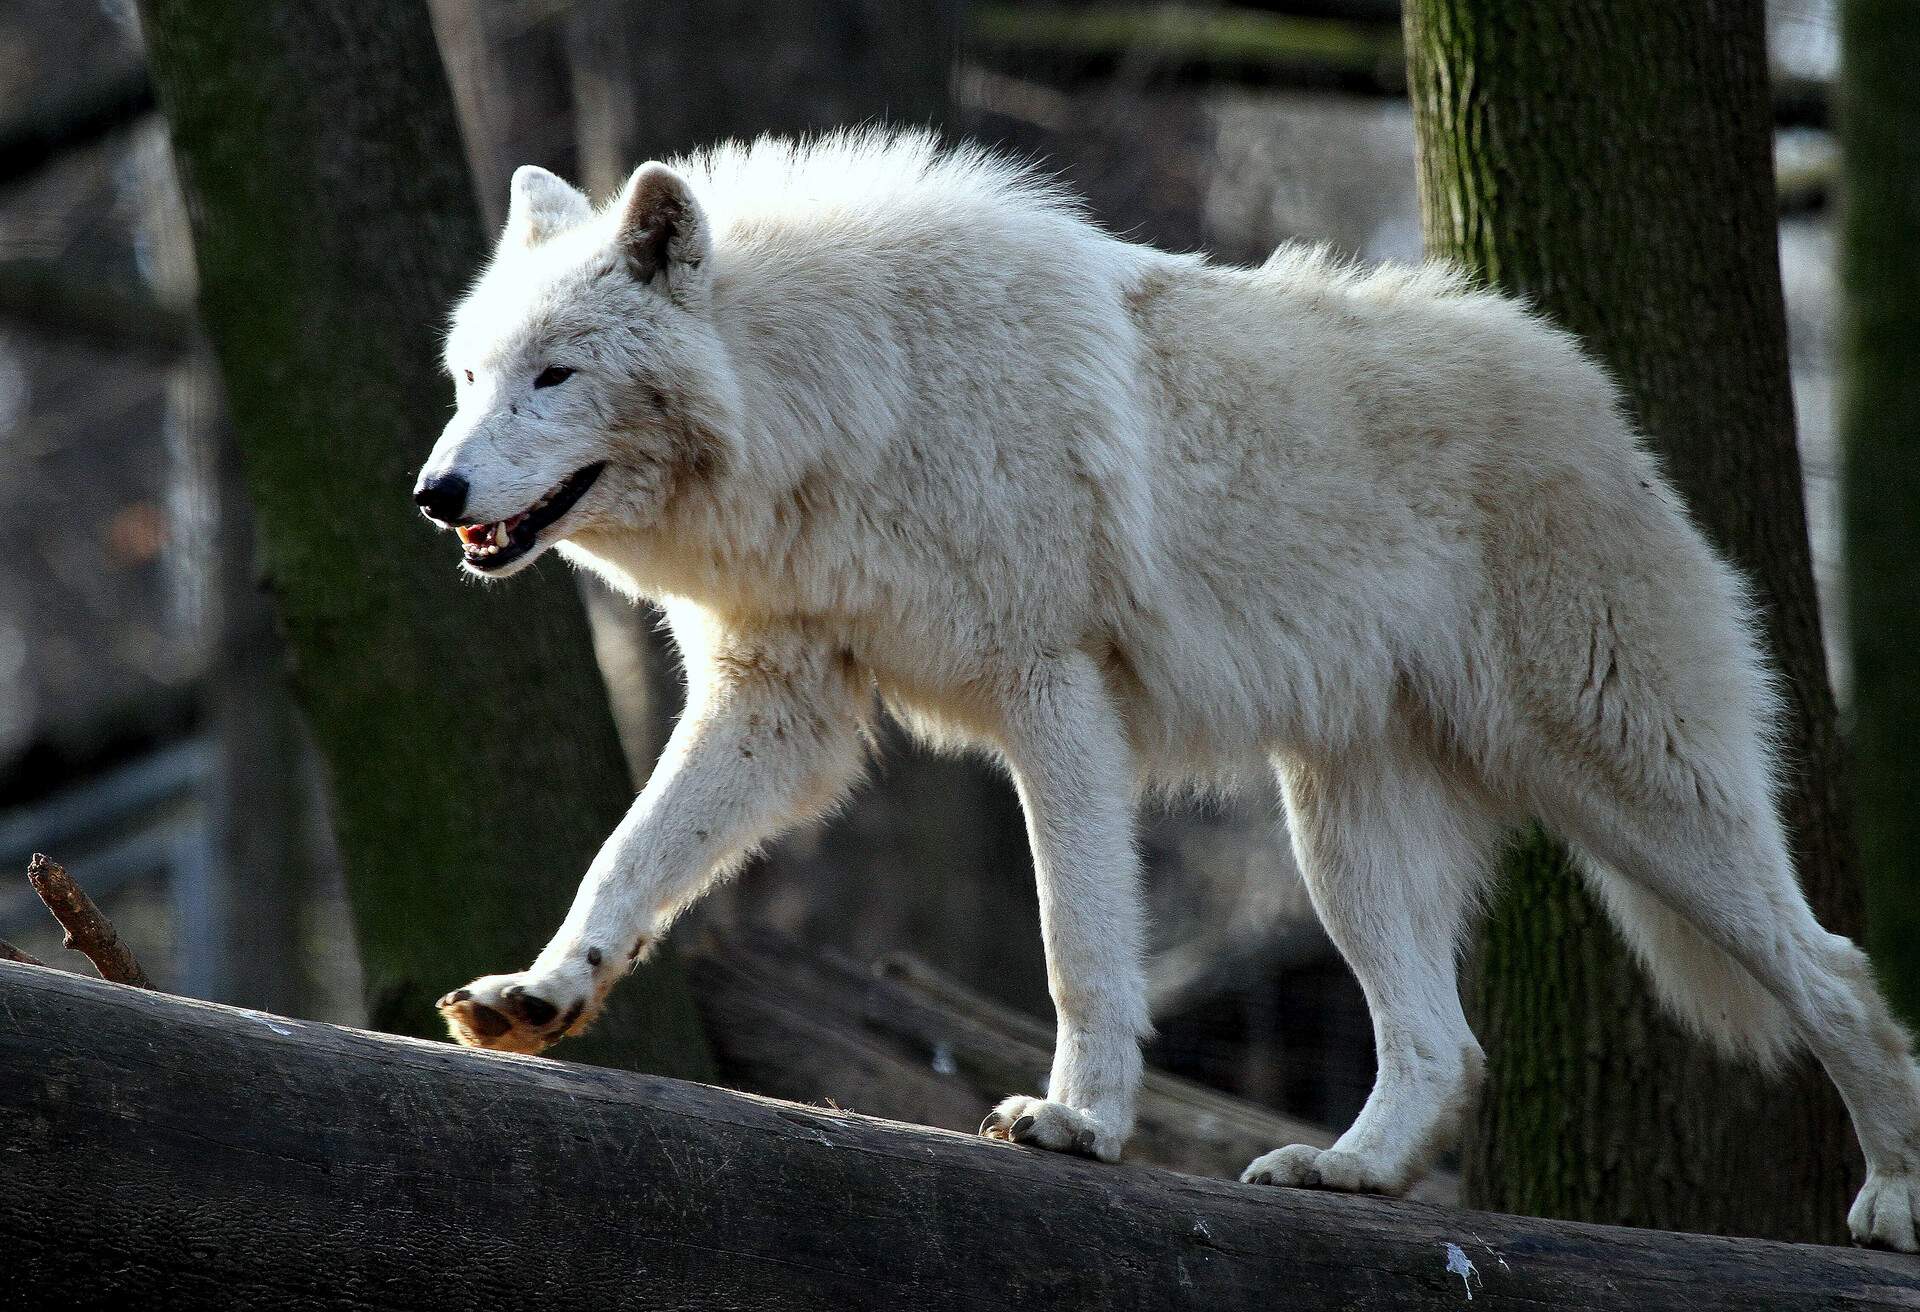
[
  {"x": 1612, "y": 162},
  {"x": 472, "y": 757}
]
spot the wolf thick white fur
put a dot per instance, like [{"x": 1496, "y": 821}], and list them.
[{"x": 869, "y": 415}]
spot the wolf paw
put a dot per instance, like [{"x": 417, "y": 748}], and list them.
[
  {"x": 1299, "y": 1166},
  {"x": 516, "y": 1013},
  {"x": 1887, "y": 1212},
  {"x": 1051, "y": 1125}
]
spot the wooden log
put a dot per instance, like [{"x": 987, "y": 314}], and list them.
[
  {"x": 162, "y": 1153},
  {"x": 906, "y": 1042}
]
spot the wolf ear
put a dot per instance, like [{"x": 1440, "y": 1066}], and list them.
[
  {"x": 663, "y": 232},
  {"x": 541, "y": 204}
]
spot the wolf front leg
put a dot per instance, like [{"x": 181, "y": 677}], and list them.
[
  {"x": 1074, "y": 772},
  {"x": 771, "y": 736}
]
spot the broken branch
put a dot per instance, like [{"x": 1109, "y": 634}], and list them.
[
  {"x": 88, "y": 932},
  {"x": 8, "y": 952}
]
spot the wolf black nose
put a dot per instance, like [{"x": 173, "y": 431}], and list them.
[{"x": 443, "y": 497}]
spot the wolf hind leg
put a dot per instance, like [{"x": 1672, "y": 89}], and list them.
[
  {"x": 1393, "y": 853},
  {"x": 1704, "y": 888}
]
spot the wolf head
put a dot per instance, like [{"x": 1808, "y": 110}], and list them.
[{"x": 590, "y": 384}]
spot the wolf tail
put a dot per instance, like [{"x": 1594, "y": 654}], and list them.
[{"x": 1709, "y": 992}]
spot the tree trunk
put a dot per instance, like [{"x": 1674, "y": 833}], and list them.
[
  {"x": 265, "y": 873},
  {"x": 472, "y": 759},
  {"x": 1880, "y": 436},
  {"x": 507, "y": 65},
  {"x": 1613, "y": 163}
]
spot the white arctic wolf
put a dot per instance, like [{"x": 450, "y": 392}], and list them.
[{"x": 866, "y": 415}]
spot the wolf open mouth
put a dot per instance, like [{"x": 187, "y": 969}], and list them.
[{"x": 487, "y": 547}]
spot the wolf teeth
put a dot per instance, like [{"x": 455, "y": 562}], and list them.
[{"x": 482, "y": 540}]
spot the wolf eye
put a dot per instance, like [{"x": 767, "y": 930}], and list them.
[
  {"x": 553, "y": 375},
  {"x": 468, "y": 373}
]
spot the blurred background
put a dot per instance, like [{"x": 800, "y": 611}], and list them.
[{"x": 146, "y": 736}]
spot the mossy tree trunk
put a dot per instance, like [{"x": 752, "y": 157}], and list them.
[
  {"x": 1613, "y": 163},
  {"x": 1880, "y": 435},
  {"x": 473, "y": 762}
]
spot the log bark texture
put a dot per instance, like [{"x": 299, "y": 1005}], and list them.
[
  {"x": 164, "y": 1154},
  {"x": 1613, "y": 164}
]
